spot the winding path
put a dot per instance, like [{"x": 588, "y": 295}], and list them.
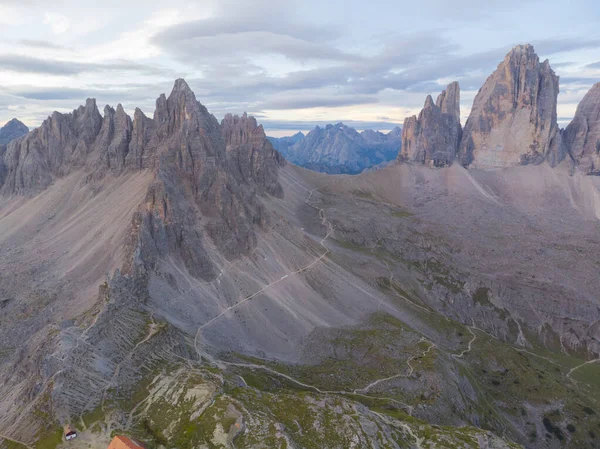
[
  {"x": 466, "y": 351},
  {"x": 397, "y": 376},
  {"x": 589, "y": 362},
  {"x": 318, "y": 259}
]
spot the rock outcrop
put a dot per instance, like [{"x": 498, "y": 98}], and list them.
[
  {"x": 433, "y": 138},
  {"x": 60, "y": 144},
  {"x": 582, "y": 136},
  {"x": 12, "y": 130},
  {"x": 513, "y": 119}
]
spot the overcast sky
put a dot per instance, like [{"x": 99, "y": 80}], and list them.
[{"x": 291, "y": 64}]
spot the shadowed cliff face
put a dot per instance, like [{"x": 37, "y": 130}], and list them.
[
  {"x": 582, "y": 136},
  {"x": 433, "y": 137}
]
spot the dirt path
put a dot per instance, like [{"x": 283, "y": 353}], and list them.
[
  {"x": 589, "y": 362},
  {"x": 397, "y": 376},
  {"x": 466, "y": 351},
  {"x": 314, "y": 388},
  {"x": 16, "y": 441},
  {"x": 318, "y": 259}
]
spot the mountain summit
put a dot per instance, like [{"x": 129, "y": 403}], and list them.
[
  {"x": 12, "y": 130},
  {"x": 513, "y": 118}
]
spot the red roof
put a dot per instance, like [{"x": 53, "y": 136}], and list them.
[{"x": 121, "y": 442}]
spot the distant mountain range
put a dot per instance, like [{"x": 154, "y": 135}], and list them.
[
  {"x": 12, "y": 130},
  {"x": 339, "y": 148}
]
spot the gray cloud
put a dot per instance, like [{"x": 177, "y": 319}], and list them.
[
  {"x": 40, "y": 44},
  {"x": 561, "y": 45},
  {"x": 306, "y": 102},
  {"x": 594, "y": 65},
  {"x": 29, "y": 64},
  {"x": 245, "y": 36}
]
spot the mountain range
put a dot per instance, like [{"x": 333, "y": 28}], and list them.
[
  {"x": 339, "y": 149},
  {"x": 174, "y": 279}
]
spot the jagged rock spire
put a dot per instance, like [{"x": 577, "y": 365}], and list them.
[
  {"x": 433, "y": 138},
  {"x": 513, "y": 119}
]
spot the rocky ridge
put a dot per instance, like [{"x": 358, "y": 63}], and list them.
[{"x": 433, "y": 137}]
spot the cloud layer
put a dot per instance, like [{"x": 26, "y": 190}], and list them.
[{"x": 290, "y": 63}]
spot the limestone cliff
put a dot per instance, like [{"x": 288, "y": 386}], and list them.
[
  {"x": 582, "y": 136},
  {"x": 513, "y": 119},
  {"x": 433, "y": 138}
]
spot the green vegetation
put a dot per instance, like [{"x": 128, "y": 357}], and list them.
[
  {"x": 401, "y": 213},
  {"x": 50, "y": 439}
]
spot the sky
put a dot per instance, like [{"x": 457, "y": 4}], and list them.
[{"x": 292, "y": 64}]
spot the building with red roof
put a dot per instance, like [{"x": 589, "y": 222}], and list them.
[{"x": 121, "y": 442}]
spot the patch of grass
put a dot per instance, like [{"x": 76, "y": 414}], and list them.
[
  {"x": 401, "y": 213},
  {"x": 362, "y": 193},
  {"x": 93, "y": 416},
  {"x": 49, "y": 439},
  {"x": 589, "y": 374}
]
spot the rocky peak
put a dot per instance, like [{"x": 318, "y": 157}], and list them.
[
  {"x": 12, "y": 130},
  {"x": 251, "y": 155},
  {"x": 582, "y": 136},
  {"x": 182, "y": 107},
  {"x": 112, "y": 143},
  {"x": 449, "y": 100},
  {"x": 433, "y": 138},
  {"x": 513, "y": 119}
]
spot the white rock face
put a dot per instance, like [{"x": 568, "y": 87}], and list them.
[{"x": 513, "y": 119}]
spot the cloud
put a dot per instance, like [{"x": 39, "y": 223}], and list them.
[
  {"x": 561, "y": 45},
  {"x": 40, "y": 44},
  {"x": 196, "y": 41},
  {"x": 30, "y": 64},
  {"x": 307, "y": 102},
  {"x": 57, "y": 22},
  {"x": 593, "y": 65}
]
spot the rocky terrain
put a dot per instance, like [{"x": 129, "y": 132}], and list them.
[
  {"x": 12, "y": 130},
  {"x": 174, "y": 279},
  {"x": 433, "y": 137},
  {"x": 582, "y": 136},
  {"x": 339, "y": 149},
  {"x": 513, "y": 118}
]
